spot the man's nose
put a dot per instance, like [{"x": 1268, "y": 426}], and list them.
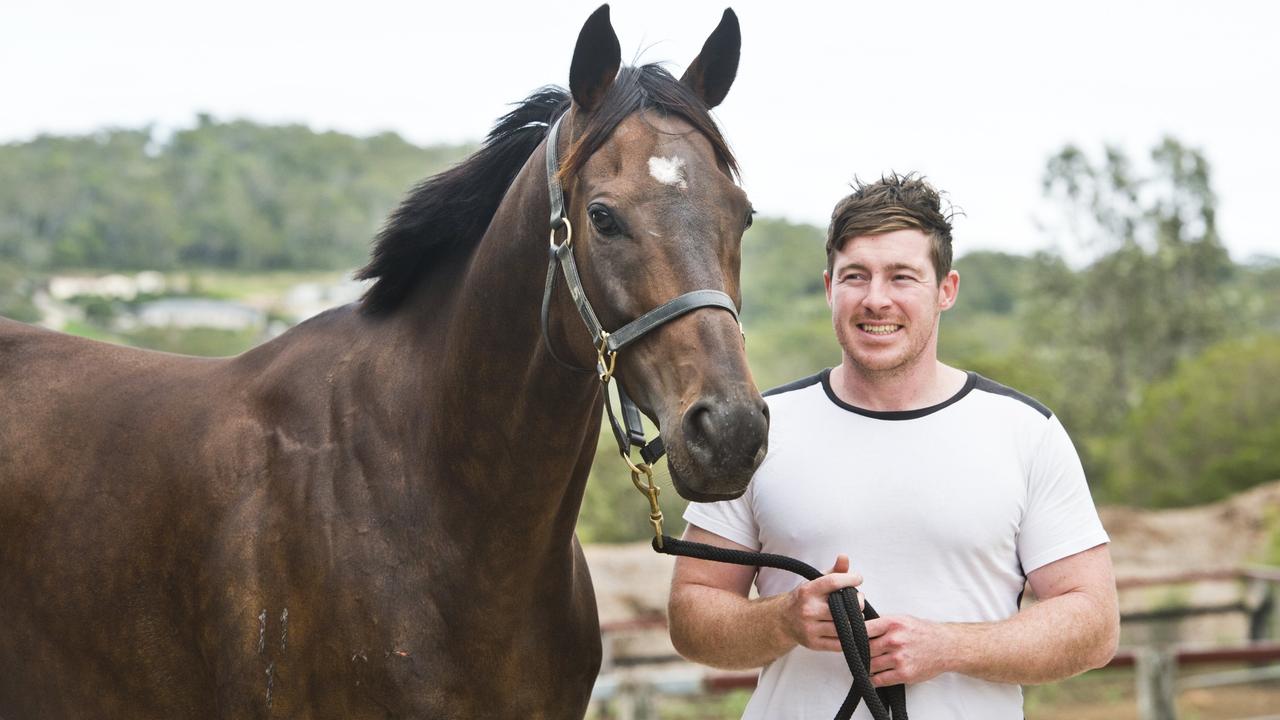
[{"x": 877, "y": 296}]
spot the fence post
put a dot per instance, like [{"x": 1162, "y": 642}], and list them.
[
  {"x": 1156, "y": 675},
  {"x": 1262, "y": 619}
]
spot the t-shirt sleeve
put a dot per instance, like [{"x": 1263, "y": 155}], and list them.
[
  {"x": 730, "y": 519},
  {"x": 1060, "y": 518}
]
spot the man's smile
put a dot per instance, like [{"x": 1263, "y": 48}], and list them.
[{"x": 876, "y": 328}]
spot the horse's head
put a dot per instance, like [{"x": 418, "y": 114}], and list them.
[{"x": 655, "y": 212}]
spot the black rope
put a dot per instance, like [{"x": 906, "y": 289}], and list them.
[{"x": 887, "y": 703}]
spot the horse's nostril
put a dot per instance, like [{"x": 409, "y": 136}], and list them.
[
  {"x": 699, "y": 427},
  {"x": 720, "y": 436},
  {"x": 704, "y": 421}
]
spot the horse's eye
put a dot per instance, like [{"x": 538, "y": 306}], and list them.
[
  {"x": 750, "y": 218},
  {"x": 603, "y": 220}
]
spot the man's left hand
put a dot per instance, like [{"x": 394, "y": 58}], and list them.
[{"x": 906, "y": 649}]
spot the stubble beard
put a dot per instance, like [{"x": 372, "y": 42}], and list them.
[{"x": 886, "y": 370}]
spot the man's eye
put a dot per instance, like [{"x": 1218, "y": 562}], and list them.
[{"x": 603, "y": 220}]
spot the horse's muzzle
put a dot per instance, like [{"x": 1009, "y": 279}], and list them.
[{"x": 722, "y": 442}]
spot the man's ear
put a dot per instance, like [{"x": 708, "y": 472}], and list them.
[
  {"x": 949, "y": 290},
  {"x": 826, "y": 280},
  {"x": 596, "y": 59},
  {"x": 712, "y": 72}
]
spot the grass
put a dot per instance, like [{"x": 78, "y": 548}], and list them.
[
  {"x": 231, "y": 285},
  {"x": 205, "y": 342}
]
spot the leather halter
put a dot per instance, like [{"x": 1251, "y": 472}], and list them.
[{"x": 630, "y": 431}]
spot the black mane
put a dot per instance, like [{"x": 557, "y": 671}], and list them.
[{"x": 454, "y": 208}]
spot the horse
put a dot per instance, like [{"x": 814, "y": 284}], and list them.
[{"x": 372, "y": 515}]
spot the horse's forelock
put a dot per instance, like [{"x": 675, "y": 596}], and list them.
[{"x": 644, "y": 87}]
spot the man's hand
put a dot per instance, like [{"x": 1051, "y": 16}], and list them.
[
  {"x": 806, "y": 614},
  {"x": 906, "y": 649}
]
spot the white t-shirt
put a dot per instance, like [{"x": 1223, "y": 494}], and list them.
[{"x": 942, "y": 510}]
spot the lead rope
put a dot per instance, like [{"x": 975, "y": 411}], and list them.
[{"x": 887, "y": 703}]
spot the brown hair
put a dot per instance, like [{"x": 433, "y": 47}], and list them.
[{"x": 894, "y": 202}]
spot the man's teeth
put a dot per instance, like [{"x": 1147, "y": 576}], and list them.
[{"x": 879, "y": 329}]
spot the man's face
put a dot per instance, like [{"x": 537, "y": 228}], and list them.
[{"x": 885, "y": 301}]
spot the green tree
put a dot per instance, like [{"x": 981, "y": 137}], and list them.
[
  {"x": 1210, "y": 429},
  {"x": 220, "y": 194},
  {"x": 1154, "y": 294},
  {"x": 784, "y": 314},
  {"x": 15, "y": 295}
]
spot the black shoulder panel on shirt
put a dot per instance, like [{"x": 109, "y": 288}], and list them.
[
  {"x": 796, "y": 384},
  {"x": 996, "y": 388}
]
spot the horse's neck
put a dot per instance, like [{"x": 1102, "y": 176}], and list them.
[{"x": 516, "y": 430}]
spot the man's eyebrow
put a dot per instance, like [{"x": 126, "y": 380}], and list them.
[{"x": 891, "y": 267}]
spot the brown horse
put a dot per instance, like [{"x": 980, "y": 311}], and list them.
[{"x": 372, "y": 515}]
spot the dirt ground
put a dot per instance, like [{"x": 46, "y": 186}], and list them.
[{"x": 1242, "y": 530}]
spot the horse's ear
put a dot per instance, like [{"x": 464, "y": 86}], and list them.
[
  {"x": 712, "y": 72},
  {"x": 596, "y": 60}
]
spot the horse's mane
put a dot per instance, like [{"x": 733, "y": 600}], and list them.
[{"x": 453, "y": 209}]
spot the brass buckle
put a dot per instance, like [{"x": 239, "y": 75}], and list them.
[
  {"x": 649, "y": 490},
  {"x": 605, "y": 368}
]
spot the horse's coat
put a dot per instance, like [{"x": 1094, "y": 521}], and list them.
[{"x": 372, "y": 515}]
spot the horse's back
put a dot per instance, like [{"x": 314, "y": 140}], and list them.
[{"x": 76, "y": 408}]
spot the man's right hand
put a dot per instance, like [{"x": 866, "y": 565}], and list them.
[
  {"x": 807, "y": 614},
  {"x": 714, "y": 621}
]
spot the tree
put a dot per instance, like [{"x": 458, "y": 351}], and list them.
[
  {"x": 784, "y": 313},
  {"x": 1155, "y": 292},
  {"x": 220, "y": 194},
  {"x": 1210, "y": 429}
]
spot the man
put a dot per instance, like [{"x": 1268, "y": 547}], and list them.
[{"x": 948, "y": 491}]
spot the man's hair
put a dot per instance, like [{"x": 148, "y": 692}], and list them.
[{"x": 894, "y": 202}]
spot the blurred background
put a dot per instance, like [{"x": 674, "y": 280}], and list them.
[{"x": 198, "y": 178}]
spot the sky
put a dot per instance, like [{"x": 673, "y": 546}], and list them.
[{"x": 974, "y": 95}]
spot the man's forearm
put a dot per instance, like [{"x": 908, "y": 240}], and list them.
[
  {"x": 721, "y": 629},
  {"x": 1050, "y": 640}
]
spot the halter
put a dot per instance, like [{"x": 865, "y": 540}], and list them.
[{"x": 629, "y": 431}]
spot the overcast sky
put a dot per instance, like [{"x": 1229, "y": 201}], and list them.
[{"x": 976, "y": 95}]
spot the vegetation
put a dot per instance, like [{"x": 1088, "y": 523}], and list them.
[
  {"x": 221, "y": 194},
  {"x": 1160, "y": 354},
  {"x": 1210, "y": 428},
  {"x": 15, "y": 294}
]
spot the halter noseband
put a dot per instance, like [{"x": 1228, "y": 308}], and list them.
[{"x": 629, "y": 432}]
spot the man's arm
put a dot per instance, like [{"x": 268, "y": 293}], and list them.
[
  {"x": 1074, "y": 627},
  {"x": 713, "y": 622}
]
